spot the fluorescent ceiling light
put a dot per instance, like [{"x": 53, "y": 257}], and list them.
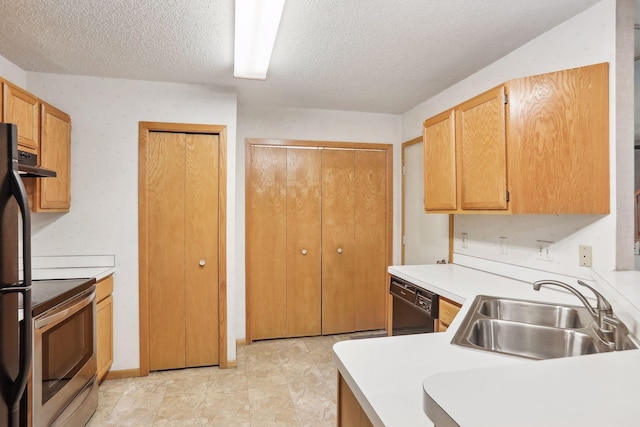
[{"x": 257, "y": 24}]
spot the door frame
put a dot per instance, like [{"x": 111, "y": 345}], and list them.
[
  {"x": 405, "y": 145},
  {"x": 388, "y": 148},
  {"x": 143, "y": 232}
]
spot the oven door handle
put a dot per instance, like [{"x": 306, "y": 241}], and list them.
[{"x": 55, "y": 315}]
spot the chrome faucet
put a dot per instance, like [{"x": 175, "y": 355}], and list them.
[{"x": 607, "y": 326}]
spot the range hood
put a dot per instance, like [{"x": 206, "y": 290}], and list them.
[{"x": 27, "y": 166}]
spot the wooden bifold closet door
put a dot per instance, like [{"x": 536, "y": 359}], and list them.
[
  {"x": 183, "y": 250},
  {"x": 316, "y": 240}
]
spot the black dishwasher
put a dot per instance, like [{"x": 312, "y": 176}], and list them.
[{"x": 414, "y": 309}]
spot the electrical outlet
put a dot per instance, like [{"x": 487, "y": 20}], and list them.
[
  {"x": 585, "y": 258},
  {"x": 465, "y": 240},
  {"x": 504, "y": 245},
  {"x": 545, "y": 250}
]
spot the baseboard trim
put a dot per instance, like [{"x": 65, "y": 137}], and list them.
[
  {"x": 240, "y": 342},
  {"x": 125, "y": 373}
]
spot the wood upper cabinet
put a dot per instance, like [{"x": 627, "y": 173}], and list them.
[
  {"x": 481, "y": 146},
  {"x": 22, "y": 109},
  {"x": 559, "y": 142},
  {"x": 465, "y": 156},
  {"x": 53, "y": 194},
  {"x": 537, "y": 144},
  {"x": 440, "y": 162}
]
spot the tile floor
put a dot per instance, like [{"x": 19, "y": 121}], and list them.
[{"x": 288, "y": 382}]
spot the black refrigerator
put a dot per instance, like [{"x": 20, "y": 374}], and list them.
[{"x": 15, "y": 335}]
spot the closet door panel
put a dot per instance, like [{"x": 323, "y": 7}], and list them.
[
  {"x": 266, "y": 202},
  {"x": 338, "y": 241},
  {"x": 201, "y": 251},
  {"x": 370, "y": 236},
  {"x": 303, "y": 242},
  {"x": 166, "y": 253}
]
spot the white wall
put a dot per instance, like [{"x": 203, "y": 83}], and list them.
[
  {"x": 13, "y": 73},
  {"x": 309, "y": 124},
  {"x": 104, "y": 186},
  {"x": 587, "y": 38}
]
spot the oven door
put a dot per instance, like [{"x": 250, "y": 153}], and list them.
[{"x": 64, "y": 355}]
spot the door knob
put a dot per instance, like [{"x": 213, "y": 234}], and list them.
[
  {"x": 339, "y": 250},
  {"x": 202, "y": 263},
  {"x": 304, "y": 252}
]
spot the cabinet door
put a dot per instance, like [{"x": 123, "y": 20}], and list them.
[
  {"x": 303, "y": 299},
  {"x": 22, "y": 109},
  {"x": 440, "y": 163},
  {"x": 338, "y": 241},
  {"x": 104, "y": 329},
  {"x": 370, "y": 280},
  {"x": 481, "y": 145},
  {"x": 266, "y": 241},
  {"x": 54, "y": 194},
  {"x": 558, "y": 138}
]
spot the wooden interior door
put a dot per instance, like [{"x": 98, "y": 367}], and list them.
[
  {"x": 370, "y": 279},
  {"x": 182, "y": 222},
  {"x": 303, "y": 300},
  {"x": 338, "y": 241},
  {"x": 266, "y": 244}
]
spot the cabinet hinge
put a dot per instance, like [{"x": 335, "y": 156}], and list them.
[
  {"x": 507, "y": 196},
  {"x": 506, "y": 99},
  {"x": 404, "y": 170},
  {"x": 404, "y": 240}
]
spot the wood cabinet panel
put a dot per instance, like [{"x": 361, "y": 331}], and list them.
[
  {"x": 201, "y": 250},
  {"x": 303, "y": 299},
  {"x": 104, "y": 325},
  {"x": 440, "y": 162},
  {"x": 370, "y": 236},
  {"x": 338, "y": 241},
  {"x": 558, "y": 129},
  {"x": 481, "y": 144},
  {"x": 104, "y": 328},
  {"x": 448, "y": 310},
  {"x": 53, "y": 194},
  {"x": 22, "y": 109},
  {"x": 266, "y": 241},
  {"x": 350, "y": 413}
]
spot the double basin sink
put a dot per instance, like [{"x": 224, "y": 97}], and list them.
[{"x": 531, "y": 329}]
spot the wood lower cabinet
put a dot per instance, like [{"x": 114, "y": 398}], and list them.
[
  {"x": 53, "y": 194},
  {"x": 104, "y": 325},
  {"x": 22, "y": 109},
  {"x": 448, "y": 310},
  {"x": 535, "y": 145},
  {"x": 350, "y": 413},
  {"x": 317, "y": 240}
]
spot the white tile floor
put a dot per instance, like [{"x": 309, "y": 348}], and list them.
[{"x": 288, "y": 382}]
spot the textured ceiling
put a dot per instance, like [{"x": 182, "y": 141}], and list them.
[{"x": 360, "y": 55}]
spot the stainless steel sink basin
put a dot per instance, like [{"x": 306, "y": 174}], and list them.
[
  {"x": 532, "y": 341},
  {"x": 536, "y": 313},
  {"x": 531, "y": 329}
]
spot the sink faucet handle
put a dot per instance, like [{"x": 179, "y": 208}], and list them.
[{"x": 603, "y": 304}]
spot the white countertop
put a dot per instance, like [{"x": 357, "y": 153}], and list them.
[{"x": 389, "y": 375}]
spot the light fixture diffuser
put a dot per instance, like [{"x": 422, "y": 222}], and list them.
[{"x": 257, "y": 24}]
